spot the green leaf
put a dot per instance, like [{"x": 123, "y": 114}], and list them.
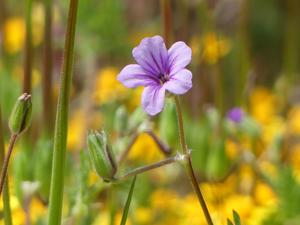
[
  {"x": 229, "y": 222},
  {"x": 126, "y": 209},
  {"x": 236, "y": 218}
]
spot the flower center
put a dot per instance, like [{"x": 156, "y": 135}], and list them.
[{"x": 163, "y": 78}]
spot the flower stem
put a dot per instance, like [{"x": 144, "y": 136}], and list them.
[
  {"x": 188, "y": 164},
  {"x": 61, "y": 123},
  {"x": 12, "y": 142},
  {"x": 6, "y": 199},
  {"x": 143, "y": 169}
]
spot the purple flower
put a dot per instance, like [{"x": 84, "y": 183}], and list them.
[
  {"x": 158, "y": 69},
  {"x": 235, "y": 115}
]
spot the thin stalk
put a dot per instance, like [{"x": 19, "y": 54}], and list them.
[
  {"x": 12, "y": 142},
  {"x": 6, "y": 199},
  {"x": 61, "y": 123},
  {"x": 188, "y": 164},
  {"x": 28, "y": 50},
  {"x": 48, "y": 63},
  {"x": 144, "y": 169},
  {"x": 166, "y": 150}
]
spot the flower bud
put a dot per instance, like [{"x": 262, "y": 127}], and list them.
[
  {"x": 21, "y": 115},
  {"x": 102, "y": 155}
]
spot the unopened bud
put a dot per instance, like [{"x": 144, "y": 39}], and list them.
[
  {"x": 21, "y": 115},
  {"x": 102, "y": 155}
]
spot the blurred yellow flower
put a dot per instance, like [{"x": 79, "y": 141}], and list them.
[
  {"x": 145, "y": 149},
  {"x": 294, "y": 120},
  {"x": 214, "y": 47},
  {"x": 263, "y": 105},
  {"x": 274, "y": 128},
  {"x": 14, "y": 34},
  {"x": 107, "y": 87},
  {"x": 164, "y": 199},
  {"x": 231, "y": 148},
  {"x": 243, "y": 204},
  {"x": 143, "y": 215},
  {"x": 37, "y": 210},
  {"x": 264, "y": 195}
]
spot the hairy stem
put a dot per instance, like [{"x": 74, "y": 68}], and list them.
[
  {"x": 188, "y": 164},
  {"x": 61, "y": 123},
  {"x": 144, "y": 169}
]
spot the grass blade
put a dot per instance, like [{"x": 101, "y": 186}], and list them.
[{"x": 126, "y": 209}]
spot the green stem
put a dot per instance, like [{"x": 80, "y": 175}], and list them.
[
  {"x": 6, "y": 199},
  {"x": 61, "y": 123},
  {"x": 188, "y": 164},
  {"x": 28, "y": 50}
]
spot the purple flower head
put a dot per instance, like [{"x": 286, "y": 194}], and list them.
[
  {"x": 158, "y": 69},
  {"x": 235, "y": 115}
]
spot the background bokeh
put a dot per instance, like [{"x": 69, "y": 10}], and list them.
[{"x": 246, "y": 55}]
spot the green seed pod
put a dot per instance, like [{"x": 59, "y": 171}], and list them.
[
  {"x": 21, "y": 115},
  {"x": 102, "y": 155}
]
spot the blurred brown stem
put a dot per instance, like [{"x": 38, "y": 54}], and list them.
[
  {"x": 28, "y": 50},
  {"x": 48, "y": 63},
  {"x": 167, "y": 20}
]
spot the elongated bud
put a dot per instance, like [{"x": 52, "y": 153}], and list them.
[
  {"x": 102, "y": 155},
  {"x": 21, "y": 115}
]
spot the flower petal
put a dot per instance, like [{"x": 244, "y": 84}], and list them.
[
  {"x": 179, "y": 56},
  {"x": 152, "y": 55},
  {"x": 133, "y": 75},
  {"x": 153, "y": 99},
  {"x": 179, "y": 82}
]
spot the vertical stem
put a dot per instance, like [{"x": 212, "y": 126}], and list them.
[
  {"x": 48, "y": 62},
  {"x": 61, "y": 124},
  {"x": 6, "y": 199},
  {"x": 167, "y": 21},
  {"x": 188, "y": 164},
  {"x": 28, "y": 50},
  {"x": 12, "y": 142}
]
